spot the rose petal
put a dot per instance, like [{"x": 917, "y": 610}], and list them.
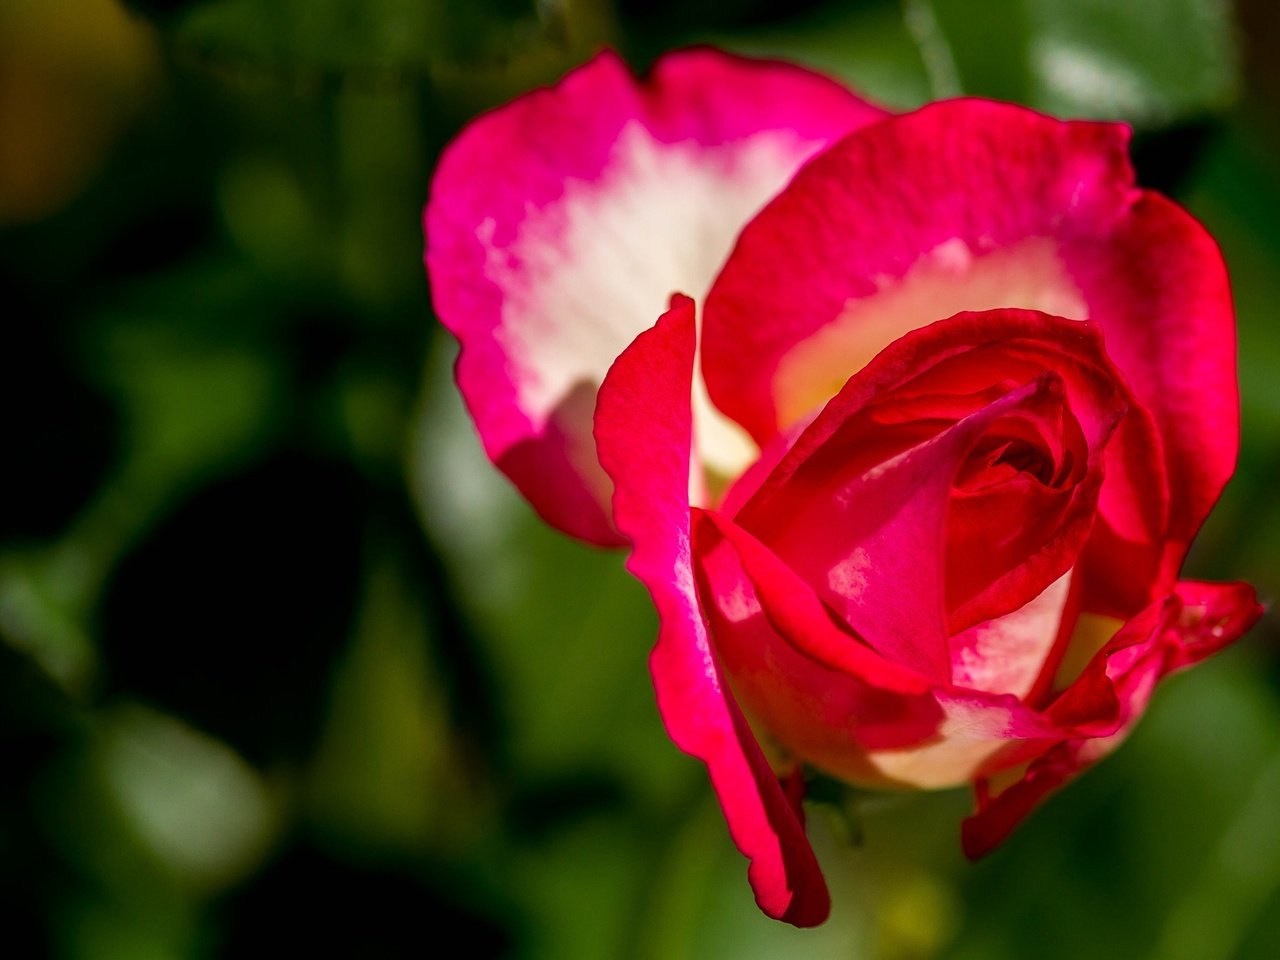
[
  {"x": 1175, "y": 632},
  {"x": 797, "y": 612},
  {"x": 559, "y": 225},
  {"x": 964, "y": 354},
  {"x": 970, "y": 352},
  {"x": 815, "y": 686},
  {"x": 967, "y": 205},
  {"x": 861, "y": 520},
  {"x": 978, "y": 733},
  {"x": 1158, "y": 286},
  {"x": 1005, "y": 655},
  {"x": 1002, "y": 538},
  {"x": 832, "y": 701},
  {"x": 874, "y": 541},
  {"x": 643, "y": 431}
]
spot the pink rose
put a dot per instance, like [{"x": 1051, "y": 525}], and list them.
[{"x": 912, "y": 494}]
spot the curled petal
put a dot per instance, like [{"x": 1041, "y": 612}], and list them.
[
  {"x": 1111, "y": 694},
  {"x": 643, "y": 429},
  {"x": 798, "y": 614},
  {"x": 832, "y": 700}
]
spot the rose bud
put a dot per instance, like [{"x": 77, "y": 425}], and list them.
[{"x": 912, "y": 494}]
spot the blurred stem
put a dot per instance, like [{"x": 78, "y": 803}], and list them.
[
  {"x": 47, "y": 593},
  {"x": 935, "y": 51}
]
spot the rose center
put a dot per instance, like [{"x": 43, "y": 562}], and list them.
[{"x": 999, "y": 459}]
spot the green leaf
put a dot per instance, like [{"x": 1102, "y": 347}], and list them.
[
  {"x": 1147, "y": 61},
  {"x": 869, "y": 47},
  {"x": 386, "y": 774},
  {"x": 1150, "y": 62}
]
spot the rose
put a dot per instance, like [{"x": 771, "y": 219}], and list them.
[{"x": 912, "y": 498}]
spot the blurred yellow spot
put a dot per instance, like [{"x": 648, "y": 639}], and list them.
[
  {"x": 998, "y": 783},
  {"x": 1090, "y": 635},
  {"x": 919, "y": 917},
  {"x": 72, "y": 74},
  {"x": 267, "y": 213}
]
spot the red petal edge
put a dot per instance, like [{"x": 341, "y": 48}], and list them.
[
  {"x": 1198, "y": 619},
  {"x": 643, "y": 432}
]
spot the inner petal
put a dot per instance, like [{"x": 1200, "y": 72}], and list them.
[
  {"x": 722, "y": 450},
  {"x": 609, "y": 253},
  {"x": 1010, "y": 499},
  {"x": 946, "y": 280},
  {"x": 1005, "y": 655}
]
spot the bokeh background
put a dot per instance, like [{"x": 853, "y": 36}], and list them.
[{"x": 285, "y": 667}]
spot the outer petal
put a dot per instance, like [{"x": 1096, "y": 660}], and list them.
[
  {"x": 970, "y": 205},
  {"x": 1158, "y": 286},
  {"x": 559, "y": 225},
  {"x": 1196, "y": 620},
  {"x": 643, "y": 428}
]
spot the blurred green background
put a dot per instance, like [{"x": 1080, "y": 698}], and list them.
[{"x": 285, "y": 667}]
